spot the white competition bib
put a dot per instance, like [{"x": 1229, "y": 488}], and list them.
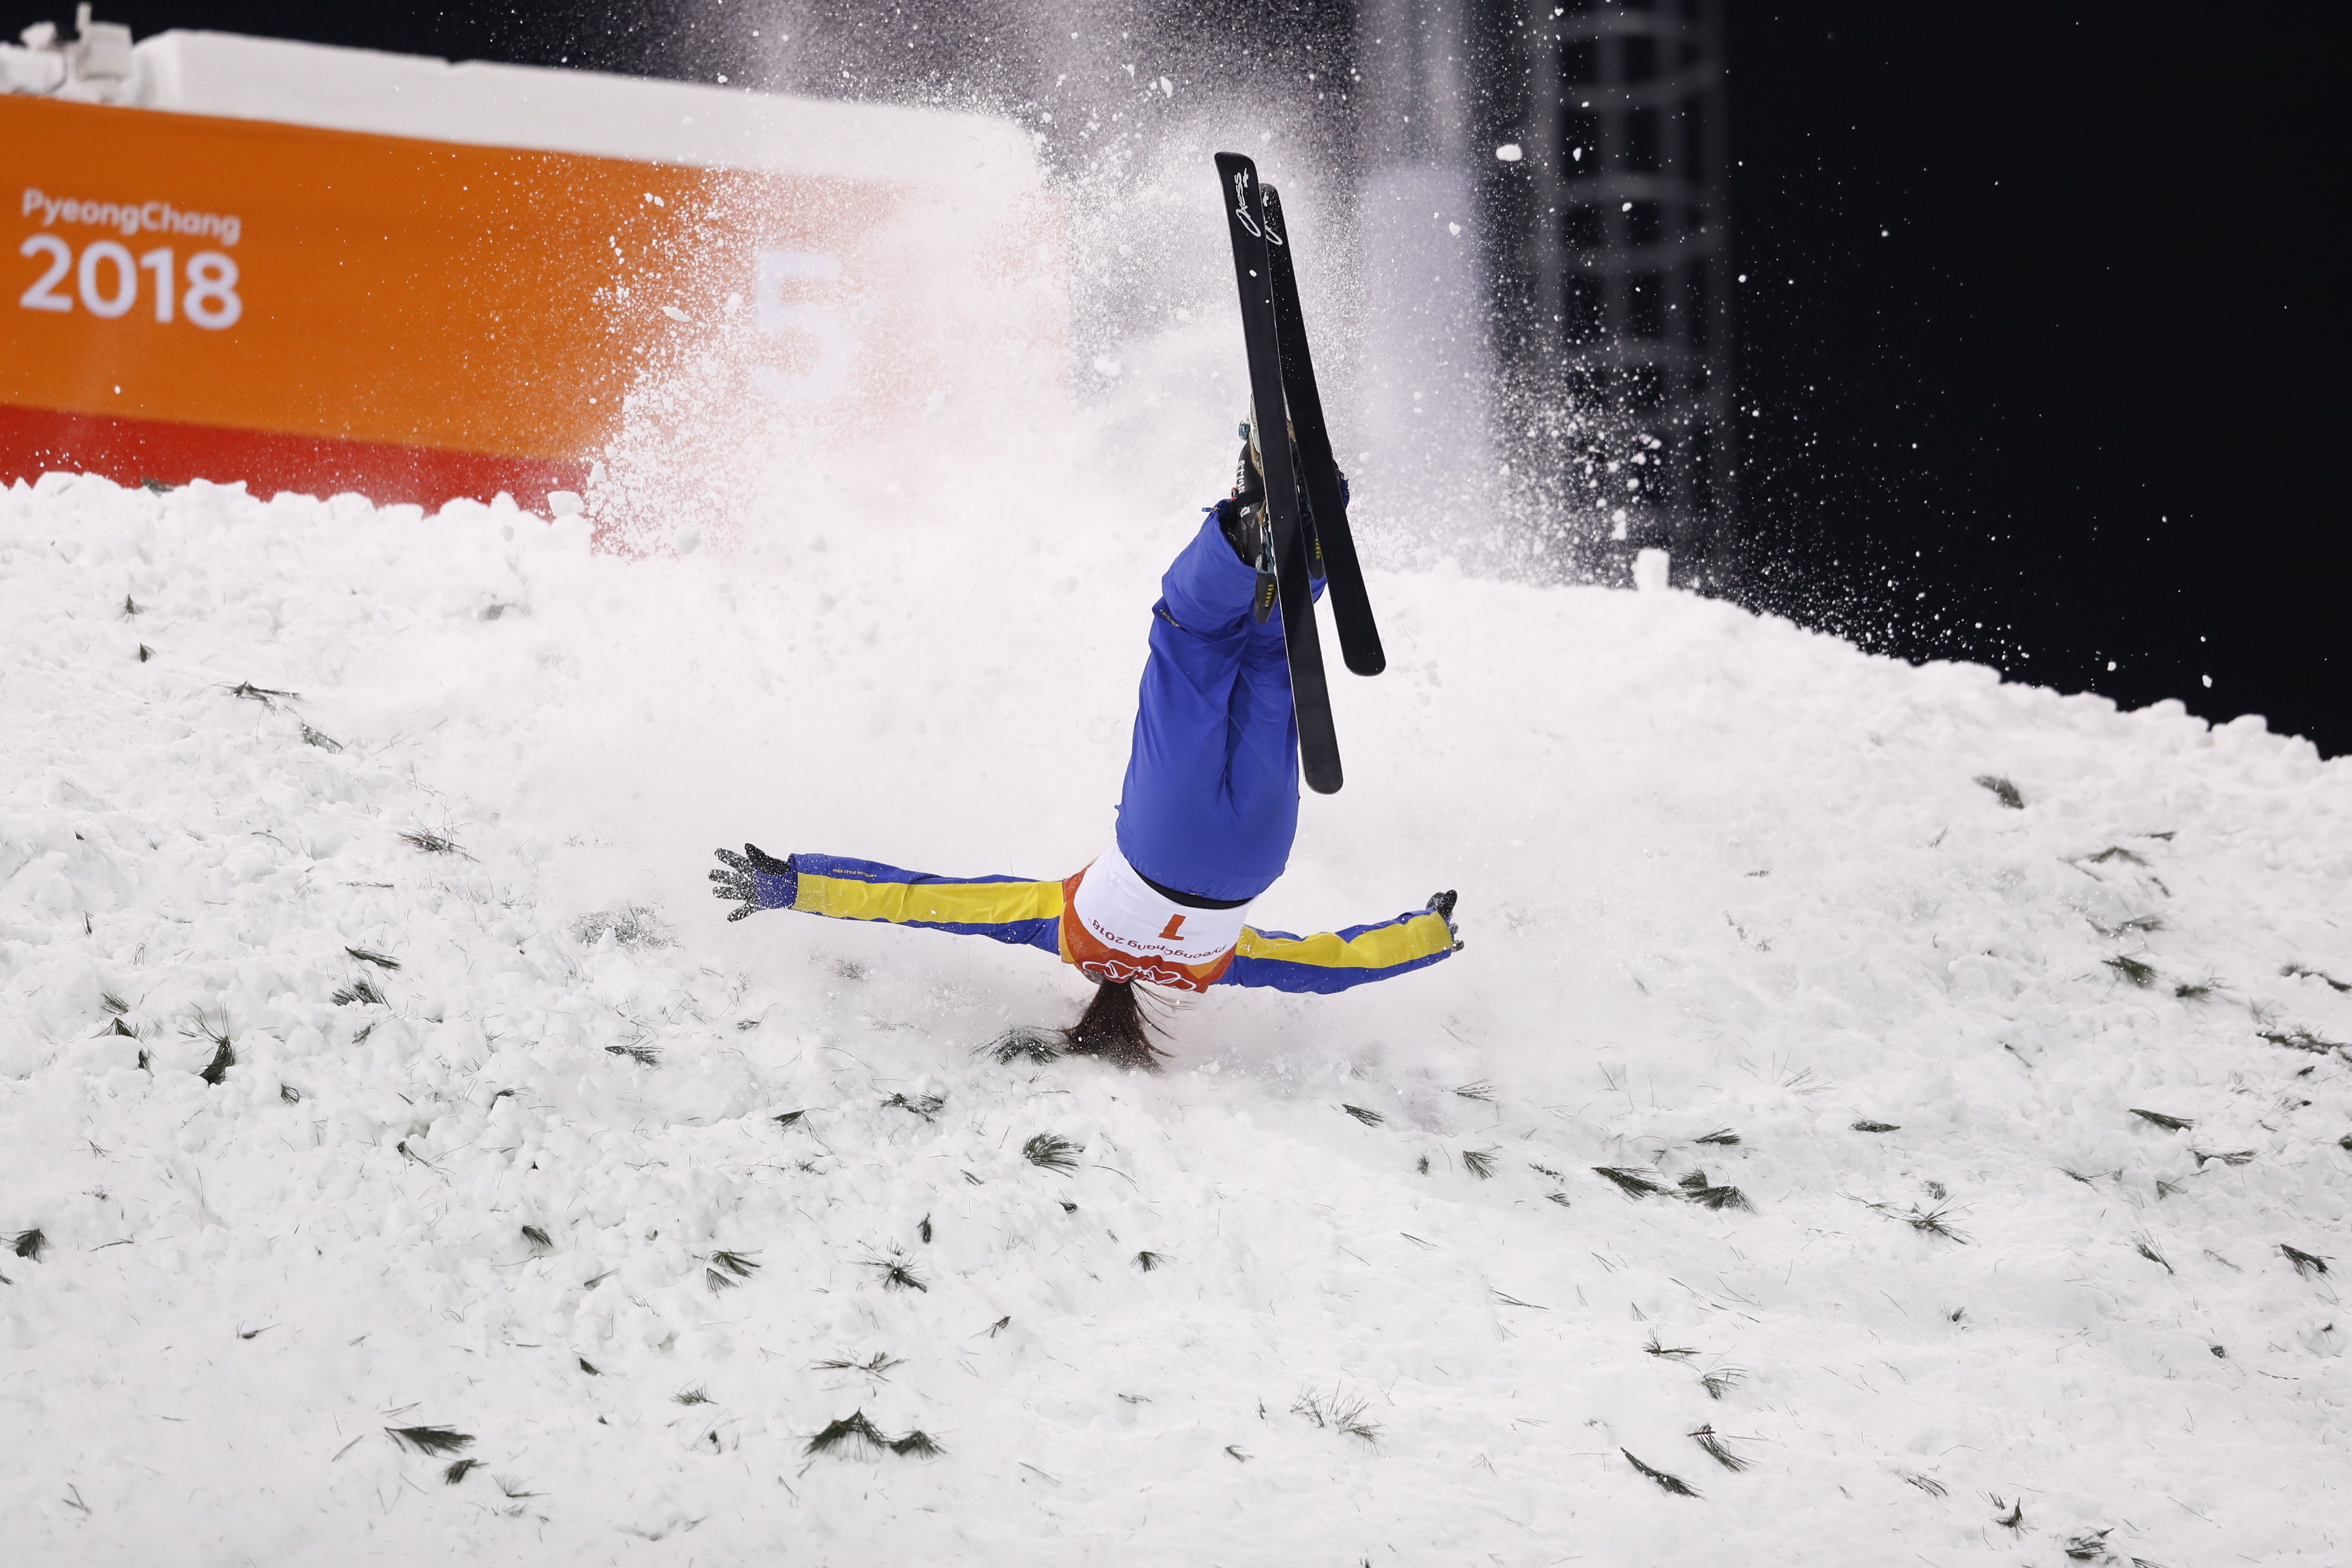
[{"x": 1121, "y": 910}]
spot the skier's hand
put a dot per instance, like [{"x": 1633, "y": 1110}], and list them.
[
  {"x": 757, "y": 879},
  {"x": 1442, "y": 906}
]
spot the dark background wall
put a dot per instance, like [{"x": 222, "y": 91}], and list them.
[
  {"x": 2039, "y": 350},
  {"x": 641, "y": 36}
]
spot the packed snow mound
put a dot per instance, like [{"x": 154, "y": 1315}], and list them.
[{"x": 1881, "y": 1113}]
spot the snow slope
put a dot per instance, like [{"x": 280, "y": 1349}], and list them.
[{"x": 1717, "y": 873}]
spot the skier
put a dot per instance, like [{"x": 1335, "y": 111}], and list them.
[{"x": 1206, "y": 818}]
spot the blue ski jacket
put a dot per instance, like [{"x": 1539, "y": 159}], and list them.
[{"x": 1206, "y": 815}]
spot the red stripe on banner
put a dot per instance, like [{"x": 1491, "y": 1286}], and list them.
[{"x": 35, "y": 441}]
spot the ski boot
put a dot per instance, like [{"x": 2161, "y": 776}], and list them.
[{"x": 1247, "y": 526}]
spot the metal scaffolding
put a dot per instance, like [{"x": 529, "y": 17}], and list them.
[{"x": 1608, "y": 246}]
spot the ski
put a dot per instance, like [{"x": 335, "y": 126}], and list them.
[
  {"x": 1311, "y": 693},
  {"x": 1328, "y": 535}
]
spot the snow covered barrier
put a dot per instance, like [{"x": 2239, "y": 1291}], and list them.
[
  {"x": 315, "y": 270},
  {"x": 1958, "y": 1145}
]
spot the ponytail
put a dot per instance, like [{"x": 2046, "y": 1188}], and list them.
[{"x": 1115, "y": 1029}]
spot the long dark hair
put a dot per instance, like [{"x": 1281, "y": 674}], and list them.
[{"x": 1115, "y": 1028}]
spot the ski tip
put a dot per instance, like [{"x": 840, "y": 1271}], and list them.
[
  {"x": 1367, "y": 661},
  {"x": 1323, "y": 778}
]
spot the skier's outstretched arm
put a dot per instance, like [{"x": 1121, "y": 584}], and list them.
[
  {"x": 1337, "y": 960},
  {"x": 1006, "y": 908}
]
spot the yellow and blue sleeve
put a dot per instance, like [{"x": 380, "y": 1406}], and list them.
[
  {"x": 1025, "y": 913},
  {"x": 1336, "y": 960},
  {"x": 1012, "y": 909}
]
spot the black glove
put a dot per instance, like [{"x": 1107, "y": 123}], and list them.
[
  {"x": 757, "y": 878},
  {"x": 1442, "y": 906}
]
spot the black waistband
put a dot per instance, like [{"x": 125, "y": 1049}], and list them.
[{"x": 1190, "y": 900}]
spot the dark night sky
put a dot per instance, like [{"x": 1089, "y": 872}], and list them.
[
  {"x": 2083, "y": 389},
  {"x": 2103, "y": 308}
]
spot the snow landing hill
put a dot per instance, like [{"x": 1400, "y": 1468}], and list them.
[{"x": 373, "y": 1060}]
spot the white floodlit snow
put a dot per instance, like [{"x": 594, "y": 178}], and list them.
[{"x": 1717, "y": 873}]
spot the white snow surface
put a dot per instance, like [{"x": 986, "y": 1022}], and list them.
[{"x": 1717, "y": 872}]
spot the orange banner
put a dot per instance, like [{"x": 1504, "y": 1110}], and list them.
[{"x": 232, "y": 275}]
